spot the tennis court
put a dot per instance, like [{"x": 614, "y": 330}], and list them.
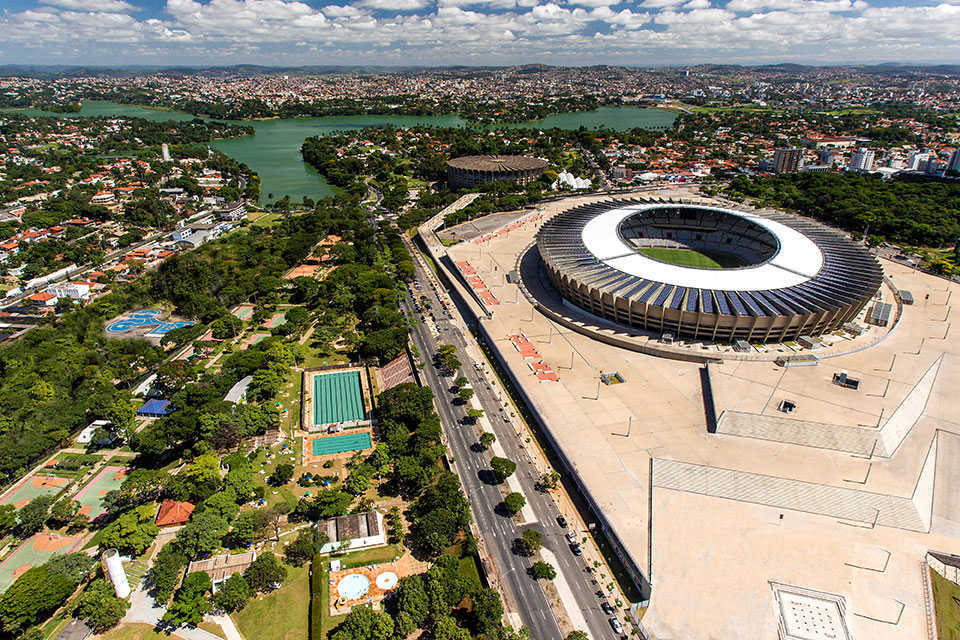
[
  {"x": 91, "y": 496},
  {"x": 254, "y": 339},
  {"x": 337, "y": 397},
  {"x": 342, "y": 444},
  {"x": 34, "y": 486},
  {"x": 34, "y": 552},
  {"x": 276, "y": 320},
  {"x": 243, "y": 312}
]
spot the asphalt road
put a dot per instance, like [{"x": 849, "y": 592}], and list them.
[{"x": 499, "y": 531}]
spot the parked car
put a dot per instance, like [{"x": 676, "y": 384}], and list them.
[
  {"x": 577, "y": 551},
  {"x": 607, "y": 608},
  {"x": 562, "y": 521},
  {"x": 617, "y": 627},
  {"x": 572, "y": 539}
]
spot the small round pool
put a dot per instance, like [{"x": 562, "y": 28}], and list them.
[
  {"x": 353, "y": 586},
  {"x": 387, "y": 580}
]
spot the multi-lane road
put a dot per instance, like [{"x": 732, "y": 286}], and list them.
[{"x": 499, "y": 531}]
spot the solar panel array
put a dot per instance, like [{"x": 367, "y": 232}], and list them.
[{"x": 847, "y": 280}]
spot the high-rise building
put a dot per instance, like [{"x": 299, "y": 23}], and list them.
[
  {"x": 954, "y": 163},
  {"x": 787, "y": 160},
  {"x": 917, "y": 160},
  {"x": 827, "y": 156},
  {"x": 861, "y": 160}
]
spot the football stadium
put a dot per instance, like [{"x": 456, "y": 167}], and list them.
[{"x": 706, "y": 272}]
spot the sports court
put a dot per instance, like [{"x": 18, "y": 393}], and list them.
[
  {"x": 34, "y": 552},
  {"x": 276, "y": 320},
  {"x": 337, "y": 397},
  {"x": 254, "y": 339},
  {"x": 33, "y": 486},
  {"x": 321, "y": 446},
  {"x": 91, "y": 496},
  {"x": 243, "y": 311}
]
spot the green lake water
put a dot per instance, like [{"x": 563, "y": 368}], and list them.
[{"x": 274, "y": 151}]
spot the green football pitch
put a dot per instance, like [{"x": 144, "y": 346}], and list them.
[{"x": 691, "y": 258}]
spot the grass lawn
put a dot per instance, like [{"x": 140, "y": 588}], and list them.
[
  {"x": 135, "y": 631},
  {"x": 370, "y": 556},
  {"x": 212, "y": 627},
  {"x": 946, "y": 606},
  {"x": 282, "y": 615},
  {"x": 691, "y": 258}
]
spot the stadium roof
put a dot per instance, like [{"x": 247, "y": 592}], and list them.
[
  {"x": 497, "y": 163},
  {"x": 797, "y": 260}
]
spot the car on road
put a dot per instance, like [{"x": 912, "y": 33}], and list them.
[
  {"x": 607, "y": 608},
  {"x": 617, "y": 627},
  {"x": 562, "y": 521}
]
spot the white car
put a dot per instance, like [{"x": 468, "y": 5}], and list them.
[{"x": 617, "y": 627}]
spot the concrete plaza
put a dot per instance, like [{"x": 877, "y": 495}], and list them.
[{"x": 718, "y": 520}]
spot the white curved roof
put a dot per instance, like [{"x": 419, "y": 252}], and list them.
[{"x": 798, "y": 259}]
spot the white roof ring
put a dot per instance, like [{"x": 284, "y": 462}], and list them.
[{"x": 798, "y": 259}]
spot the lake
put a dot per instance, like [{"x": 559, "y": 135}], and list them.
[{"x": 274, "y": 151}]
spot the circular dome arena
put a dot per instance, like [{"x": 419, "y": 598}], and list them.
[
  {"x": 469, "y": 171},
  {"x": 706, "y": 272}
]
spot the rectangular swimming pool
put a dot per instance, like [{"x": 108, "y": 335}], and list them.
[
  {"x": 337, "y": 397},
  {"x": 341, "y": 444}
]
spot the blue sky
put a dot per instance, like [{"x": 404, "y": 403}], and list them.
[{"x": 475, "y": 32}]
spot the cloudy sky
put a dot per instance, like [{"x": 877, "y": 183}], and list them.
[{"x": 442, "y": 32}]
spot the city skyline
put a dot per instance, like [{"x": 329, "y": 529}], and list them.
[{"x": 477, "y": 32}]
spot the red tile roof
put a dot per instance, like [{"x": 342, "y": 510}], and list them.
[{"x": 173, "y": 513}]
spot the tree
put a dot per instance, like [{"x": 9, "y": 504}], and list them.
[
  {"x": 502, "y": 468},
  {"x": 190, "y": 602},
  {"x": 461, "y": 381},
  {"x": 8, "y": 518},
  {"x": 447, "y": 358},
  {"x": 577, "y": 635},
  {"x": 264, "y": 572},
  {"x": 543, "y": 571},
  {"x": 363, "y": 623},
  {"x": 281, "y": 475},
  {"x": 224, "y": 504},
  {"x": 550, "y": 480},
  {"x": 72, "y": 566},
  {"x": 487, "y": 439},
  {"x": 357, "y": 482},
  {"x": 99, "y": 607},
  {"x": 32, "y": 596},
  {"x": 34, "y": 514},
  {"x": 166, "y": 570},
  {"x": 474, "y": 414},
  {"x": 251, "y": 526},
  {"x": 465, "y": 394},
  {"x": 445, "y": 628},
  {"x": 132, "y": 532},
  {"x": 531, "y": 541},
  {"x": 202, "y": 534},
  {"x": 63, "y": 512},
  {"x": 514, "y": 502},
  {"x": 303, "y": 548},
  {"x": 232, "y": 594}
]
